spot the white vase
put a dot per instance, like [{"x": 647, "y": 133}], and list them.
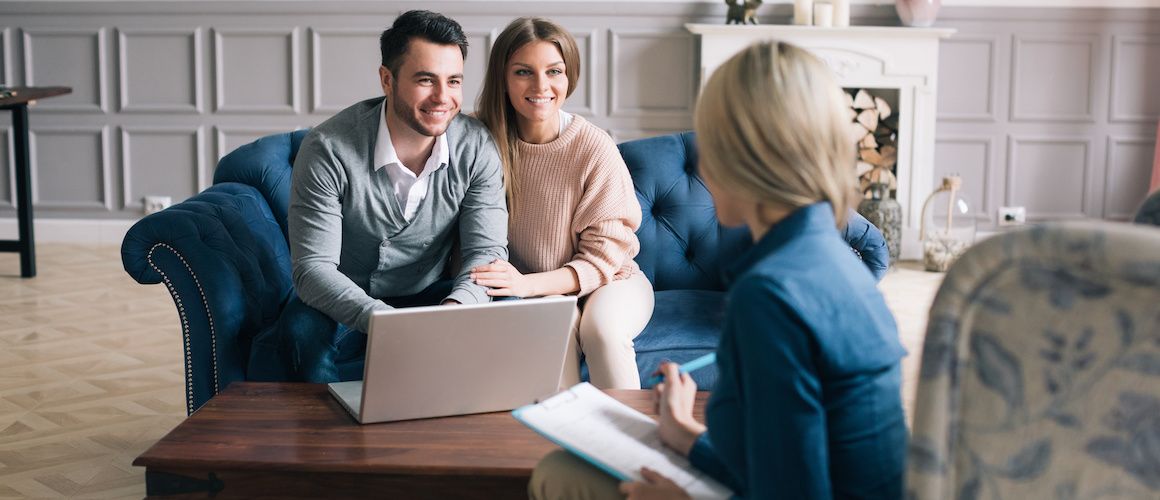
[{"x": 917, "y": 13}]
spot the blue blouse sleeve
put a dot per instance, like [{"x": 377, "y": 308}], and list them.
[
  {"x": 783, "y": 432},
  {"x": 705, "y": 459}
]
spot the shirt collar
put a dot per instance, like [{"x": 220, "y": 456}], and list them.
[
  {"x": 808, "y": 219},
  {"x": 385, "y": 149}
]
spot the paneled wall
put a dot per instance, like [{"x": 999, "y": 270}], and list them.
[{"x": 1053, "y": 109}]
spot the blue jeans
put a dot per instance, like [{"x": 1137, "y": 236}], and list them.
[{"x": 311, "y": 344}]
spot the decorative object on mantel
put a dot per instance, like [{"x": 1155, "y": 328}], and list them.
[
  {"x": 841, "y": 13},
  {"x": 742, "y": 12},
  {"x": 874, "y": 131},
  {"x": 917, "y": 13},
  {"x": 823, "y": 15},
  {"x": 947, "y": 227},
  {"x": 803, "y": 12}
]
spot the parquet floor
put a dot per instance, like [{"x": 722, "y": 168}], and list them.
[
  {"x": 90, "y": 374},
  {"x": 91, "y": 369}
]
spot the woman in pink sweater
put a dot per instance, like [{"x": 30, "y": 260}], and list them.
[{"x": 573, "y": 212}]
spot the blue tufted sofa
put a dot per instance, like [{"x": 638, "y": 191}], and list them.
[{"x": 223, "y": 256}]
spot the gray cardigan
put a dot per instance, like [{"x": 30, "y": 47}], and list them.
[{"x": 349, "y": 243}]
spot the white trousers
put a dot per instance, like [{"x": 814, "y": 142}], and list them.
[{"x": 608, "y": 321}]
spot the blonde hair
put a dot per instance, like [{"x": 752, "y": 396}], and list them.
[
  {"x": 772, "y": 126},
  {"x": 494, "y": 109}
]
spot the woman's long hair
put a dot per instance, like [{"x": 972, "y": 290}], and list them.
[
  {"x": 771, "y": 125},
  {"x": 495, "y": 110}
]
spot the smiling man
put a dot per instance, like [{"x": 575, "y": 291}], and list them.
[{"x": 382, "y": 190}]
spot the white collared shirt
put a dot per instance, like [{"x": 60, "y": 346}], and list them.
[{"x": 410, "y": 189}]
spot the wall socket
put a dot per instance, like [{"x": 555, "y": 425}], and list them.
[
  {"x": 1012, "y": 216},
  {"x": 155, "y": 204}
]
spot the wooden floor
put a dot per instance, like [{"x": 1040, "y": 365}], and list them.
[{"x": 91, "y": 369}]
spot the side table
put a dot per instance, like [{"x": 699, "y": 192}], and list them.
[{"x": 17, "y": 99}]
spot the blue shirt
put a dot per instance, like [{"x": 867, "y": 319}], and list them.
[{"x": 808, "y": 402}]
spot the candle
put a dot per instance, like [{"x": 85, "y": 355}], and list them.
[
  {"x": 841, "y": 13},
  {"x": 803, "y": 12},
  {"x": 823, "y": 15}
]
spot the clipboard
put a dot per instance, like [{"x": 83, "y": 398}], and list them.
[{"x": 613, "y": 437}]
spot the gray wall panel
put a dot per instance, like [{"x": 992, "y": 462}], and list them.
[
  {"x": 7, "y": 173},
  {"x": 969, "y": 158},
  {"x": 256, "y": 70},
  {"x": 1080, "y": 76},
  {"x": 150, "y": 156},
  {"x": 70, "y": 57},
  {"x": 1129, "y": 160},
  {"x": 344, "y": 66},
  {"x": 1049, "y": 176},
  {"x": 70, "y": 167},
  {"x": 967, "y": 76},
  {"x": 229, "y": 138},
  {"x": 1135, "y": 87},
  {"x": 652, "y": 72},
  {"x": 160, "y": 70},
  {"x": 1053, "y": 78},
  {"x": 475, "y": 68},
  {"x": 6, "y": 57}
]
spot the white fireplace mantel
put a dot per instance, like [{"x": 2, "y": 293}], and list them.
[{"x": 864, "y": 57}]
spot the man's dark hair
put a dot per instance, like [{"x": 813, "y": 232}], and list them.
[{"x": 430, "y": 26}]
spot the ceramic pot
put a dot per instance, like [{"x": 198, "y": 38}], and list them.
[
  {"x": 886, "y": 214},
  {"x": 917, "y": 13}
]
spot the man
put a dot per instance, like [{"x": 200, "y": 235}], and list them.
[{"x": 381, "y": 191}]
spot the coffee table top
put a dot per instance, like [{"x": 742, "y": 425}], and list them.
[{"x": 300, "y": 427}]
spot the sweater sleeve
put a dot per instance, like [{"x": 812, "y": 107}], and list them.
[
  {"x": 607, "y": 216},
  {"x": 315, "y": 229}
]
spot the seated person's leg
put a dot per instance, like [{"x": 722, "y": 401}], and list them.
[
  {"x": 309, "y": 339},
  {"x": 308, "y": 342},
  {"x": 613, "y": 316},
  {"x": 561, "y": 475}
]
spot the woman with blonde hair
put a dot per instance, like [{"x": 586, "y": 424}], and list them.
[
  {"x": 808, "y": 403},
  {"x": 573, "y": 211}
]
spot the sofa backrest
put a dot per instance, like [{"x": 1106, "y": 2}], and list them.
[
  {"x": 681, "y": 244},
  {"x": 264, "y": 164}
]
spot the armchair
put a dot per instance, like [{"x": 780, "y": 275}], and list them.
[{"x": 1039, "y": 370}]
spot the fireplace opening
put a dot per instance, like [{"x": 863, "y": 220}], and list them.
[{"x": 874, "y": 131}]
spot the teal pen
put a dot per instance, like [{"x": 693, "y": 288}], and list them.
[{"x": 695, "y": 364}]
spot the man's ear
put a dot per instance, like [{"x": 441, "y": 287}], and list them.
[{"x": 386, "y": 80}]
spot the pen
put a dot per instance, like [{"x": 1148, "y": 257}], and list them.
[{"x": 695, "y": 364}]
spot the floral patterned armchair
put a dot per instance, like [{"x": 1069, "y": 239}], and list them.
[{"x": 1040, "y": 375}]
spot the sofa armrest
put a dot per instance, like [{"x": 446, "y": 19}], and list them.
[
  {"x": 869, "y": 243},
  {"x": 226, "y": 264}
]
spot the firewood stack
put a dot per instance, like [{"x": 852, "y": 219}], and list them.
[{"x": 874, "y": 128}]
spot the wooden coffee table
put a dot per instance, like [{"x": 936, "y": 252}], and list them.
[{"x": 281, "y": 440}]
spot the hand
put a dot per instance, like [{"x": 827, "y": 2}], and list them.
[
  {"x": 674, "y": 403},
  {"x": 502, "y": 278},
  {"x": 653, "y": 486}
]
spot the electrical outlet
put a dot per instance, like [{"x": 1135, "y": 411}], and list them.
[
  {"x": 1012, "y": 216},
  {"x": 157, "y": 203}
]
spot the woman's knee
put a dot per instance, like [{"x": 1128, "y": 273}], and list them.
[{"x": 561, "y": 475}]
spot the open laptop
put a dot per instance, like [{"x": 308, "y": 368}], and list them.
[{"x": 453, "y": 360}]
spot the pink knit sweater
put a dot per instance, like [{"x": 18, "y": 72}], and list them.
[{"x": 575, "y": 207}]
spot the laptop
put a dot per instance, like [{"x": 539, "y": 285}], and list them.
[{"x": 438, "y": 361}]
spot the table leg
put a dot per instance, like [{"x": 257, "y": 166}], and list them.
[{"x": 23, "y": 191}]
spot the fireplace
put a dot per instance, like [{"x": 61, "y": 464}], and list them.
[{"x": 898, "y": 62}]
